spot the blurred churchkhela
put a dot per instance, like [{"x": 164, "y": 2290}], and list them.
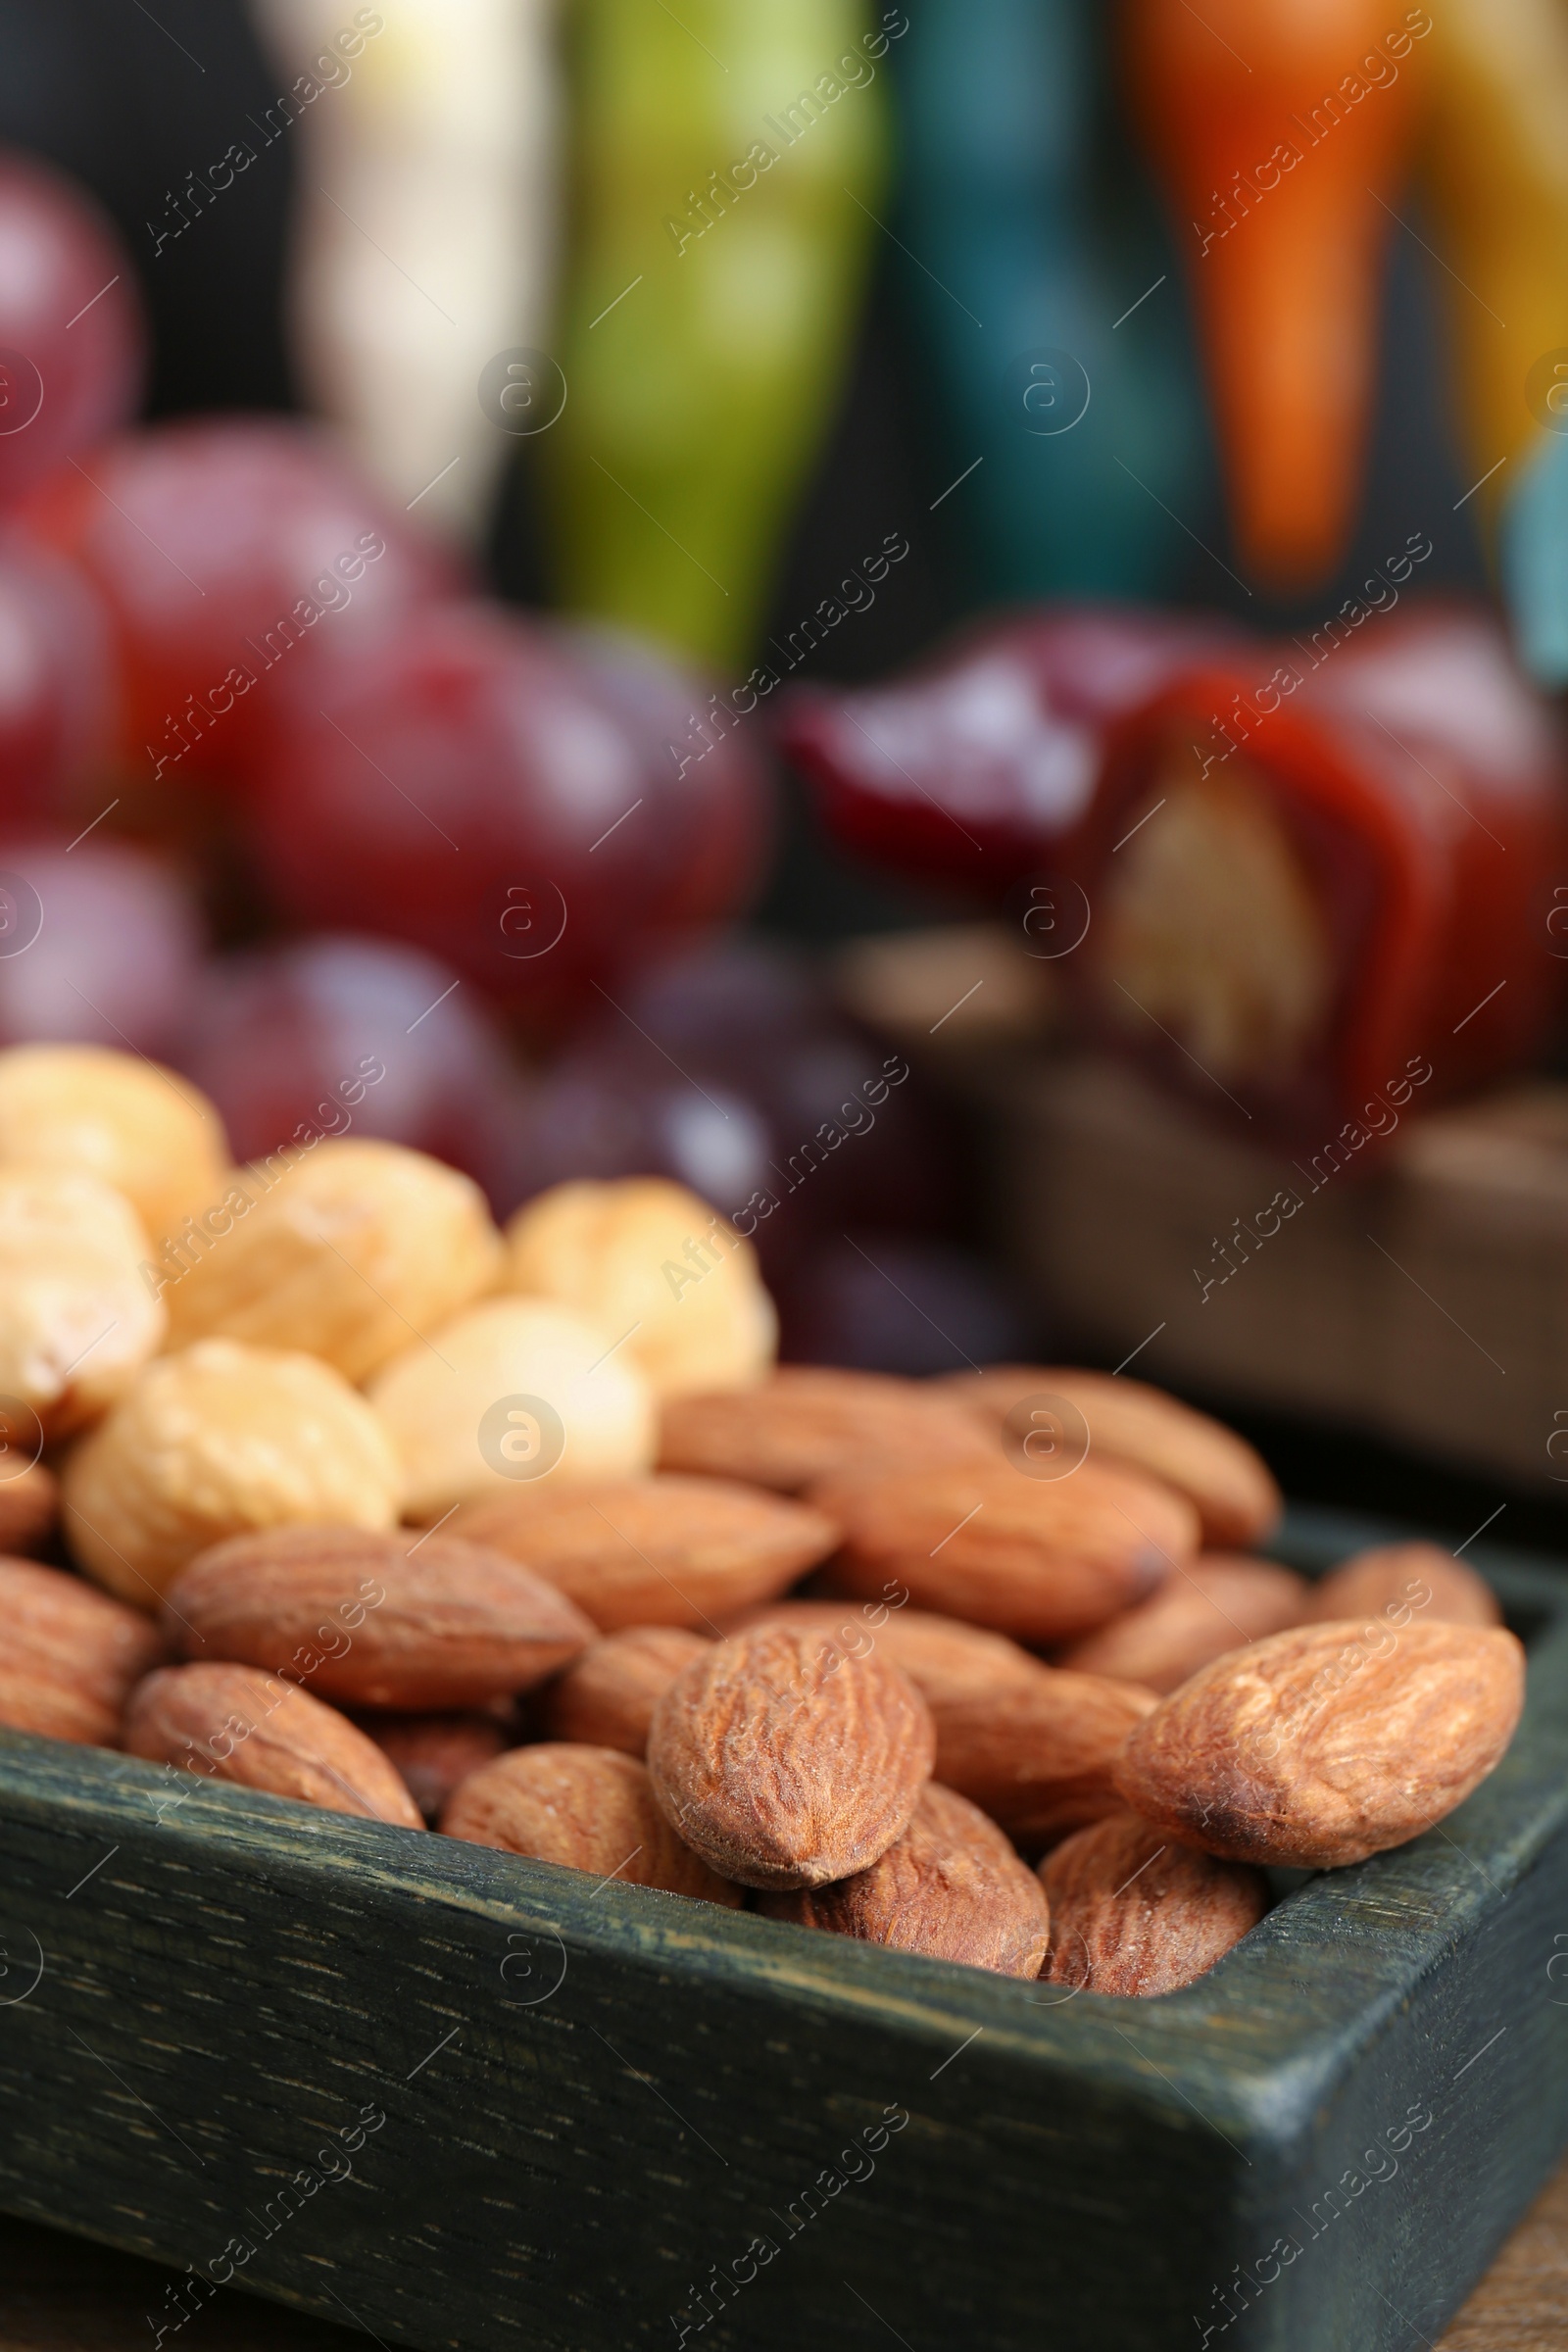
[
  {"x": 438, "y": 121},
  {"x": 1081, "y": 322},
  {"x": 1283, "y": 163}
]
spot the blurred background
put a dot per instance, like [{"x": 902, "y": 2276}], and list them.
[{"x": 637, "y": 562}]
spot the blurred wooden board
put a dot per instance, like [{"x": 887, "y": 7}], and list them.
[
  {"x": 66, "y": 2295},
  {"x": 1522, "y": 2303},
  {"x": 60, "y": 2294},
  {"x": 1421, "y": 1297}
]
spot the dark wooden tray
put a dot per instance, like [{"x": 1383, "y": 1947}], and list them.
[{"x": 571, "y": 2111}]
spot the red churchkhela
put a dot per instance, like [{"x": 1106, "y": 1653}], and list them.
[
  {"x": 975, "y": 767},
  {"x": 1317, "y": 878}
]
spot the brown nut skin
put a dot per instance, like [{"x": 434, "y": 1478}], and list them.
[
  {"x": 943, "y": 1658},
  {"x": 1042, "y": 1560},
  {"x": 950, "y": 1887},
  {"x": 240, "y": 1725},
  {"x": 29, "y": 1502},
  {"x": 1229, "y": 1484},
  {"x": 1401, "y": 1582},
  {"x": 1219, "y": 1602},
  {"x": 54, "y": 1709},
  {"x": 607, "y": 1697},
  {"x": 1039, "y": 1756},
  {"x": 655, "y": 1550},
  {"x": 806, "y": 1421},
  {"x": 434, "y": 1754},
  {"x": 1318, "y": 1747},
  {"x": 375, "y": 1620},
  {"x": 783, "y": 1769},
  {"x": 587, "y": 1808},
  {"x": 69, "y": 1657},
  {"x": 1134, "y": 1913}
]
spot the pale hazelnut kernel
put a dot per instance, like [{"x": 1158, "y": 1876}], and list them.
[
  {"x": 87, "y": 1111},
  {"x": 512, "y": 1389},
  {"x": 76, "y": 1319},
  {"x": 349, "y": 1249},
  {"x": 215, "y": 1442},
  {"x": 650, "y": 1259}
]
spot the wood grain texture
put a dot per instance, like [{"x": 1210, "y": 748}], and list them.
[
  {"x": 593, "y": 2096},
  {"x": 1522, "y": 2303}
]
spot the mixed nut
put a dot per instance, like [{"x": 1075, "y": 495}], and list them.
[{"x": 524, "y": 1535}]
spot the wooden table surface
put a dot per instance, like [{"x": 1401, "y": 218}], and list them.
[{"x": 63, "y": 2294}]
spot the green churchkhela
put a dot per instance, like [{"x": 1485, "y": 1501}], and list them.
[{"x": 729, "y": 165}]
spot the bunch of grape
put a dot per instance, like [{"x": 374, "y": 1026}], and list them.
[{"x": 243, "y": 700}]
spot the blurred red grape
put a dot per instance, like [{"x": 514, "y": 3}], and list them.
[
  {"x": 480, "y": 786},
  {"x": 55, "y": 700},
  {"x": 731, "y": 1071},
  {"x": 72, "y": 340},
  {"x": 887, "y": 1302},
  {"x": 756, "y": 1015},
  {"x": 277, "y": 1031},
  {"x": 100, "y": 944},
  {"x": 225, "y": 548},
  {"x": 724, "y": 810},
  {"x": 605, "y": 1110}
]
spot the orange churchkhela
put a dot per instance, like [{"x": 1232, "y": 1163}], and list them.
[{"x": 1280, "y": 130}]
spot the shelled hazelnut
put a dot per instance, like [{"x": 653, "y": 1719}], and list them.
[
  {"x": 215, "y": 1442},
  {"x": 348, "y": 1253},
  {"x": 85, "y": 1110},
  {"x": 506, "y": 1392},
  {"x": 648, "y": 1258},
  {"x": 77, "y": 1321}
]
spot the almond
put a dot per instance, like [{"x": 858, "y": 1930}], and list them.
[
  {"x": 607, "y": 1697},
  {"x": 951, "y": 1887},
  {"x": 376, "y": 1620},
  {"x": 434, "y": 1754},
  {"x": 54, "y": 1708},
  {"x": 29, "y": 1499},
  {"x": 72, "y": 1655},
  {"x": 1228, "y": 1484},
  {"x": 1221, "y": 1601},
  {"x": 784, "y": 1767},
  {"x": 806, "y": 1421},
  {"x": 240, "y": 1725},
  {"x": 1320, "y": 1747},
  {"x": 1131, "y": 1912},
  {"x": 587, "y": 1808},
  {"x": 656, "y": 1550},
  {"x": 1042, "y": 1559},
  {"x": 943, "y": 1658},
  {"x": 1400, "y": 1581},
  {"x": 1038, "y": 1755},
  {"x": 1031, "y": 1745}
]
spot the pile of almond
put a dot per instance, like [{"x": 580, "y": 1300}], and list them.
[{"x": 523, "y": 1535}]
